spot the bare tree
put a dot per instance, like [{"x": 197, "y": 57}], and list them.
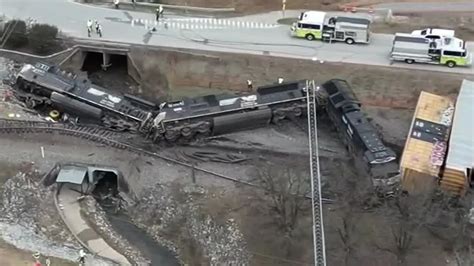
[
  {"x": 351, "y": 195},
  {"x": 284, "y": 188},
  {"x": 410, "y": 214}
]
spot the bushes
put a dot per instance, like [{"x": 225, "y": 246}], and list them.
[
  {"x": 18, "y": 37},
  {"x": 40, "y": 38}
]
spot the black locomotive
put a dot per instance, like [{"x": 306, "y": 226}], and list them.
[
  {"x": 46, "y": 85},
  {"x": 217, "y": 114},
  {"x": 43, "y": 84},
  {"x": 359, "y": 135}
]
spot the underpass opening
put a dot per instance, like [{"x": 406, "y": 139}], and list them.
[
  {"x": 109, "y": 71},
  {"x": 92, "y": 62},
  {"x": 106, "y": 187}
]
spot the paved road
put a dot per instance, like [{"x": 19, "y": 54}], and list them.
[
  {"x": 237, "y": 35},
  {"x": 429, "y": 7}
]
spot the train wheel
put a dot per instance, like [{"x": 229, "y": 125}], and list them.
[
  {"x": 204, "y": 128},
  {"x": 171, "y": 135},
  {"x": 278, "y": 115},
  {"x": 31, "y": 103},
  {"x": 186, "y": 132},
  {"x": 297, "y": 111}
]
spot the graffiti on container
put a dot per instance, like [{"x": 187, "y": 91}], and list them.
[
  {"x": 437, "y": 155},
  {"x": 447, "y": 116}
]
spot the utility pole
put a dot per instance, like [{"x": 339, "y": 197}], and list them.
[{"x": 318, "y": 227}]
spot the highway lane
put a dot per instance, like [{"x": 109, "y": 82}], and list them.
[{"x": 207, "y": 35}]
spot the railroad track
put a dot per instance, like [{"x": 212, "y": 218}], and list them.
[
  {"x": 105, "y": 137},
  {"x": 99, "y": 135}
]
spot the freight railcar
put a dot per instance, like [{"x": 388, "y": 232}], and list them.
[
  {"x": 43, "y": 84},
  {"x": 217, "y": 114},
  {"x": 360, "y": 137}
]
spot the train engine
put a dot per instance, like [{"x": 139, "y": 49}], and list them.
[
  {"x": 359, "y": 135},
  {"x": 218, "y": 114},
  {"x": 46, "y": 85}
]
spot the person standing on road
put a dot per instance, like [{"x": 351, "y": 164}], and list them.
[
  {"x": 134, "y": 2},
  {"x": 160, "y": 10},
  {"x": 159, "y": 13},
  {"x": 249, "y": 85},
  {"x": 82, "y": 257},
  {"x": 116, "y": 3},
  {"x": 89, "y": 27},
  {"x": 99, "y": 30},
  {"x": 47, "y": 262}
]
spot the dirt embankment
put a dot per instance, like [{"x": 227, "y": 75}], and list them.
[{"x": 178, "y": 74}]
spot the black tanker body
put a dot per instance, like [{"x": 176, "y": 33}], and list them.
[
  {"x": 218, "y": 114},
  {"x": 45, "y": 84},
  {"x": 359, "y": 135}
]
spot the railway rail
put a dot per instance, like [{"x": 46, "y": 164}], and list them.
[
  {"x": 105, "y": 137},
  {"x": 98, "y": 135}
]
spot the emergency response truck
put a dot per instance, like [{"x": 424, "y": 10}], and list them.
[
  {"x": 418, "y": 49},
  {"x": 318, "y": 25}
]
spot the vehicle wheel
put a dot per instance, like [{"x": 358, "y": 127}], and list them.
[
  {"x": 309, "y": 37},
  {"x": 409, "y": 61},
  {"x": 451, "y": 64},
  {"x": 350, "y": 41}
]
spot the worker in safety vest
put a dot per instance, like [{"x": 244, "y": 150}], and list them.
[
  {"x": 116, "y": 3},
  {"x": 158, "y": 12},
  {"x": 89, "y": 27}
]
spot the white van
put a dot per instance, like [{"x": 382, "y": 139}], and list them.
[{"x": 434, "y": 34}]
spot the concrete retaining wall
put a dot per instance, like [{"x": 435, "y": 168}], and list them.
[{"x": 173, "y": 70}]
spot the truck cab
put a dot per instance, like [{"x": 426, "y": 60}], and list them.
[
  {"x": 317, "y": 25},
  {"x": 310, "y": 25}
]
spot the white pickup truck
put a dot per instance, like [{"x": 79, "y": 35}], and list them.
[{"x": 434, "y": 34}]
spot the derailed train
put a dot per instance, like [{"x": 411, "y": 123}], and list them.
[
  {"x": 43, "y": 84},
  {"x": 186, "y": 119},
  {"x": 359, "y": 135}
]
